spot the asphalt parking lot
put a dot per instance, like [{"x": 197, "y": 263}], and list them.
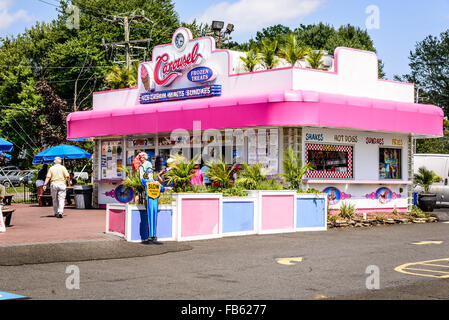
[{"x": 314, "y": 265}]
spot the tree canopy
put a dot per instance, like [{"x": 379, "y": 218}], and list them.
[{"x": 52, "y": 69}]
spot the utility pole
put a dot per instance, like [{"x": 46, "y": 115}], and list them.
[
  {"x": 126, "y": 24},
  {"x": 127, "y": 44}
]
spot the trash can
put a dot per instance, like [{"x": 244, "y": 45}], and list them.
[
  {"x": 415, "y": 198},
  {"x": 83, "y": 196}
]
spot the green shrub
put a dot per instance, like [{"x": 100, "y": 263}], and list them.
[
  {"x": 181, "y": 173},
  {"x": 293, "y": 169},
  {"x": 416, "y": 212},
  {"x": 425, "y": 178},
  {"x": 166, "y": 198},
  {"x": 250, "y": 177},
  {"x": 220, "y": 173},
  {"x": 314, "y": 191},
  {"x": 133, "y": 181},
  {"x": 332, "y": 218},
  {"x": 270, "y": 184},
  {"x": 347, "y": 210},
  {"x": 234, "y": 192}
]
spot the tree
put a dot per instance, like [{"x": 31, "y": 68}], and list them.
[
  {"x": 268, "y": 51},
  {"x": 198, "y": 29},
  {"x": 52, "y": 116},
  {"x": 272, "y": 33},
  {"x": 315, "y": 36},
  {"x": 429, "y": 64},
  {"x": 251, "y": 59},
  {"x": 122, "y": 77},
  {"x": 435, "y": 145},
  {"x": 292, "y": 50},
  {"x": 321, "y": 37},
  {"x": 50, "y": 61},
  {"x": 314, "y": 60}
]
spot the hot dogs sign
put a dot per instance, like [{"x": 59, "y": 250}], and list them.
[{"x": 184, "y": 69}]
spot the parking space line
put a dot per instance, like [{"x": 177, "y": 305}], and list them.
[
  {"x": 415, "y": 266},
  {"x": 428, "y": 270},
  {"x": 435, "y": 265},
  {"x": 427, "y": 242},
  {"x": 289, "y": 261}
]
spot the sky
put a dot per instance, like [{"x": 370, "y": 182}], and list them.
[{"x": 394, "y": 25}]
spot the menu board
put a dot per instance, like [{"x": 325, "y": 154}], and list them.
[
  {"x": 111, "y": 159},
  {"x": 264, "y": 148}
]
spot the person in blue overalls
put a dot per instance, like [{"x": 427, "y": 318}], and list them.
[{"x": 152, "y": 190}]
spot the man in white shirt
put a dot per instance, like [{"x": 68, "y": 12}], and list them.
[{"x": 57, "y": 175}]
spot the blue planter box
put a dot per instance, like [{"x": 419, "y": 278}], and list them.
[
  {"x": 139, "y": 224},
  {"x": 238, "y": 216},
  {"x": 311, "y": 212}
]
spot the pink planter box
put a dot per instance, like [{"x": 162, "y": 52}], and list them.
[{"x": 199, "y": 216}]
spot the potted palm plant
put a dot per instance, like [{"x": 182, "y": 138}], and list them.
[{"x": 425, "y": 178}]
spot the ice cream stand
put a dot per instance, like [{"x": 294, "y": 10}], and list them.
[{"x": 356, "y": 129}]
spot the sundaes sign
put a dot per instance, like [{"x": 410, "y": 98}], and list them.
[{"x": 179, "y": 65}]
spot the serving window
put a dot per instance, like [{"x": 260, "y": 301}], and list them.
[
  {"x": 329, "y": 161},
  {"x": 390, "y": 163}
]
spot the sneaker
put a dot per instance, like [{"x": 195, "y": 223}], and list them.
[{"x": 60, "y": 215}]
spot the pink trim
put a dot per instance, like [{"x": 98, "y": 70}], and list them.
[
  {"x": 371, "y": 210},
  {"x": 368, "y": 210},
  {"x": 287, "y": 108},
  {"x": 337, "y": 181},
  {"x": 335, "y": 72}
]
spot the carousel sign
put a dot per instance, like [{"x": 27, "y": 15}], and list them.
[{"x": 182, "y": 60}]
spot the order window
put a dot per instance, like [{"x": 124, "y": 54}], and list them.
[
  {"x": 390, "y": 163},
  {"x": 330, "y": 161}
]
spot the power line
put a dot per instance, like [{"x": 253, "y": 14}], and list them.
[{"x": 59, "y": 81}]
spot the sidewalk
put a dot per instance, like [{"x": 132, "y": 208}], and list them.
[
  {"x": 36, "y": 237},
  {"x": 33, "y": 224}
]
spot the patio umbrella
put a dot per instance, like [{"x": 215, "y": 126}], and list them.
[
  {"x": 63, "y": 151},
  {"x": 5, "y": 145}
]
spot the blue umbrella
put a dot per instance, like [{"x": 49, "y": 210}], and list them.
[
  {"x": 63, "y": 151},
  {"x": 7, "y": 156},
  {"x": 5, "y": 145}
]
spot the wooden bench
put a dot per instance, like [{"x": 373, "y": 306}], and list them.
[
  {"x": 47, "y": 200},
  {"x": 8, "y": 199},
  {"x": 7, "y": 214}
]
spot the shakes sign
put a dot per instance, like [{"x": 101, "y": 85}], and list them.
[{"x": 184, "y": 69}]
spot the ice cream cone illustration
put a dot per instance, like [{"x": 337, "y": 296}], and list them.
[{"x": 145, "y": 77}]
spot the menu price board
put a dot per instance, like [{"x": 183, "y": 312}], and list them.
[{"x": 111, "y": 159}]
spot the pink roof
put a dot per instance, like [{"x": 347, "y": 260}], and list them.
[{"x": 283, "y": 108}]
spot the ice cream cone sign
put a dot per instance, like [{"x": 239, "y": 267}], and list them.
[{"x": 145, "y": 78}]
